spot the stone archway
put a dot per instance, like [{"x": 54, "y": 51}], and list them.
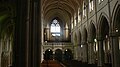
[
  {"x": 48, "y": 54},
  {"x": 58, "y": 54},
  {"x": 103, "y": 41},
  {"x": 92, "y": 50},
  {"x": 115, "y": 38},
  {"x": 68, "y": 54}
]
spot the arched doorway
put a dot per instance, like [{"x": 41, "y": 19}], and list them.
[
  {"x": 48, "y": 54},
  {"x": 68, "y": 54},
  {"x": 58, "y": 55}
]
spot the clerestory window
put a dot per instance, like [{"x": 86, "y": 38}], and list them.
[
  {"x": 84, "y": 9},
  {"x": 99, "y": 1},
  {"x": 90, "y": 5},
  {"x": 55, "y": 28}
]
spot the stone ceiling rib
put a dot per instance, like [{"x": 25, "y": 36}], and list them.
[{"x": 66, "y": 7}]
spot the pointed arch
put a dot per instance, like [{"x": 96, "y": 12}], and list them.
[
  {"x": 116, "y": 20},
  {"x": 58, "y": 54},
  {"x": 92, "y": 31},
  {"x": 103, "y": 25}
]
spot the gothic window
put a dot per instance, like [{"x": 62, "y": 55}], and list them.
[
  {"x": 55, "y": 28},
  {"x": 84, "y": 9},
  {"x": 79, "y": 17},
  {"x": 90, "y": 5}
]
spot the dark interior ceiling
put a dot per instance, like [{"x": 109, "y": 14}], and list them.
[{"x": 63, "y": 9}]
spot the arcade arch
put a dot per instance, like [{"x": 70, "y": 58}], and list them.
[{"x": 103, "y": 40}]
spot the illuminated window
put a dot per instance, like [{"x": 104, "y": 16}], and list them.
[
  {"x": 55, "y": 28},
  {"x": 95, "y": 45},
  {"x": 90, "y": 5},
  {"x": 79, "y": 16},
  {"x": 84, "y": 9},
  {"x": 99, "y": 1},
  {"x": 72, "y": 25}
]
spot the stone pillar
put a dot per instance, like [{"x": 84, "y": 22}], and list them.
[
  {"x": 91, "y": 53},
  {"x": 114, "y": 42},
  {"x": 0, "y": 51},
  {"x": 79, "y": 52},
  {"x": 36, "y": 34},
  {"x": 100, "y": 51},
  {"x": 27, "y": 34},
  {"x": 85, "y": 52},
  {"x": 26, "y": 48},
  {"x": 19, "y": 47},
  {"x": 75, "y": 52},
  {"x": 42, "y": 38},
  {"x": 106, "y": 50}
]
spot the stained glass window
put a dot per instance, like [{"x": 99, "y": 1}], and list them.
[{"x": 55, "y": 28}]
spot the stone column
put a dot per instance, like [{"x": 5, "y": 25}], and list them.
[
  {"x": 41, "y": 34},
  {"x": 114, "y": 42},
  {"x": 36, "y": 34},
  {"x": 91, "y": 53},
  {"x": 27, "y": 34},
  {"x": 79, "y": 52},
  {"x": 19, "y": 47},
  {"x": 0, "y": 51},
  {"x": 100, "y": 51},
  {"x": 26, "y": 48},
  {"x": 75, "y": 52},
  {"x": 106, "y": 50},
  {"x": 85, "y": 52}
]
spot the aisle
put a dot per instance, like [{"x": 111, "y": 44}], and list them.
[{"x": 51, "y": 63}]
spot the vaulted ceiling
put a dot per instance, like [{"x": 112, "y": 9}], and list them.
[{"x": 63, "y": 9}]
